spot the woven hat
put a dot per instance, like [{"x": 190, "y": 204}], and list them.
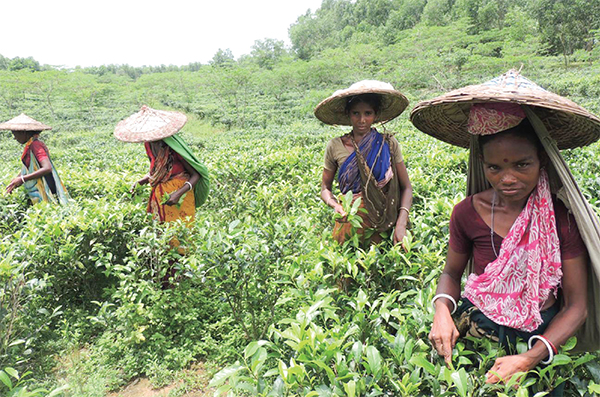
[
  {"x": 333, "y": 109},
  {"x": 24, "y": 123},
  {"x": 149, "y": 125},
  {"x": 446, "y": 117}
]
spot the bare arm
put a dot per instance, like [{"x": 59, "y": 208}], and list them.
[
  {"x": 443, "y": 333},
  {"x": 144, "y": 180},
  {"x": 194, "y": 178},
  {"x": 564, "y": 325},
  {"x": 327, "y": 194},
  {"x": 45, "y": 169},
  {"x": 406, "y": 197}
]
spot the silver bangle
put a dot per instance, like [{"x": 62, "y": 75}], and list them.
[
  {"x": 191, "y": 187},
  {"x": 22, "y": 179},
  {"x": 550, "y": 351},
  {"x": 451, "y": 299}
]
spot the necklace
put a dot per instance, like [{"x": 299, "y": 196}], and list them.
[{"x": 492, "y": 228}]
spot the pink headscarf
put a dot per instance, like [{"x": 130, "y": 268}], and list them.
[{"x": 490, "y": 118}]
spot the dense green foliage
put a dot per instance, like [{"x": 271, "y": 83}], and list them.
[{"x": 257, "y": 292}]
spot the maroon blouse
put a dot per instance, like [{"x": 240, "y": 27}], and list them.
[{"x": 470, "y": 234}]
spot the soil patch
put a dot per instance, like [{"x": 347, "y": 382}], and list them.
[{"x": 193, "y": 383}]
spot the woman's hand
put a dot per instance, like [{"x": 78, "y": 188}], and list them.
[
  {"x": 142, "y": 181},
  {"x": 505, "y": 367},
  {"x": 15, "y": 183},
  {"x": 337, "y": 207},
  {"x": 443, "y": 335},
  {"x": 399, "y": 234},
  {"x": 174, "y": 198}
]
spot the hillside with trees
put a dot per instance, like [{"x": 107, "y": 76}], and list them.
[{"x": 256, "y": 310}]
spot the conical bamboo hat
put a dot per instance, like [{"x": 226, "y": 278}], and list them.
[
  {"x": 24, "y": 123},
  {"x": 446, "y": 116},
  {"x": 149, "y": 125},
  {"x": 332, "y": 110}
]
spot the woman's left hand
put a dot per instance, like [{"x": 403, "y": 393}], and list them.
[
  {"x": 173, "y": 198},
  {"x": 505, "y": 367}
]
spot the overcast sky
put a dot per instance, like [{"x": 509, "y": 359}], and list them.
[{"x": 100, "y": 32}]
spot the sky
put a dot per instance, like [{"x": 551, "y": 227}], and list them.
[{"x": 84, "y": 33}]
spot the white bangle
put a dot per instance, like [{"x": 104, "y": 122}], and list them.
[
  {"x": 451, "y": 299},
  {"x": 191, "y": 187},
  {"x": 550, "y": 351},
  {"x": 22, "y": 179}
]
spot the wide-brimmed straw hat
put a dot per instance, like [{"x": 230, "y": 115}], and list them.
[
  {"x": 149, "y": 125},
  {"x": 333, "y": 109},
  {"x": 24, "y": 123},
  {"x": 446, "y": 117}
]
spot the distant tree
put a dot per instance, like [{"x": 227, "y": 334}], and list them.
[
  {"x": 520, "y": 24},
  {"x": 222, "y": 58},
  {"x": 437, "y": 12},
  {"x": 193, "y": 67},
  {"x": 483, "y": 14},
  {"x": 24, "y": 63},
  {"x": 304, "y": 35},
  {"x": 4, "y": 62},
  {"x": 268, "y": 52},
  {"x": 373, "y": 12},
  {"x": 329, "y": 27},
  {"x": 405, "y": 16},
  {"x": 566, "y": 24}
]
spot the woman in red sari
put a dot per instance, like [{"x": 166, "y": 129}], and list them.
[{"x": 38, "y": 175}]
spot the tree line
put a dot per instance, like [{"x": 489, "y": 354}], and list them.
[{"x": 562, "y": 26}]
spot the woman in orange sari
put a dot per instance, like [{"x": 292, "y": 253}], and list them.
[
  {"x": 174, "y": 170},
  {"x": 178, "y": 180}
]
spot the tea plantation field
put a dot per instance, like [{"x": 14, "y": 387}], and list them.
[{"x": 256, "y": 299}]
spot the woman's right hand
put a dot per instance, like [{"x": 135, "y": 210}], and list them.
[
  {"x": 142, "y": 181},
  {"x": 444, "y": 334},
  {"x": 16, "y": 182},
  {"x": 337, "y": 207}
]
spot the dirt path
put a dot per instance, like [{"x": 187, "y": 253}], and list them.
[{"x": 194, "y": 384}]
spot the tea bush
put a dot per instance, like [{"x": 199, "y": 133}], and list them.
[{"x": 261, "y": 292}]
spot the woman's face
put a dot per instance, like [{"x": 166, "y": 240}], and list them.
[
  {"x": 21, "y": 136},
  {"x": 362, "y": 116},
  {"x": 512, "y": 166}
]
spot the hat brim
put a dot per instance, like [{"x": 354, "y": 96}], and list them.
[
  {"x": 332, "y": 110},
  {"x": 24, "y": 123},
  {"x": 149, "y": 125},
  {"x": 24, "y": 127},
  {"x": 446, "y": 117}
]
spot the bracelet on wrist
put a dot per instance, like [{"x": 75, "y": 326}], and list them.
[
  {"x": 405, "y": 209},
  {"x": 551, "y": 348},
  {"x": 450, "y": 298},
  {"x": 188, "y": 183},
  {"x": 22, "y": 179}
]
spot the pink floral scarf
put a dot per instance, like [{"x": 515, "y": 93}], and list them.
[{"x": 514, "y": 287}]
